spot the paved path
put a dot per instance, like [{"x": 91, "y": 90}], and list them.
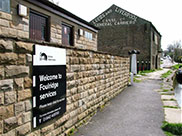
[{"x": 137, "y": 111}]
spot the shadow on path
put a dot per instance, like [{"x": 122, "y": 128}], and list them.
[{"x": 137, "y": 111}]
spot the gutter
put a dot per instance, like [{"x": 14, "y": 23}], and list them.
[{"x": 49, "y": 6}]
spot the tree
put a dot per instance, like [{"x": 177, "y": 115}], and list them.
[
  {"x": 174, "y": 45},
  {"x": 174, "y": 50}
]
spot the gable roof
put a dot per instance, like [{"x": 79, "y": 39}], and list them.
[
  {"x": 51, "y": 7},
  {"x": 123, "y": 12}
]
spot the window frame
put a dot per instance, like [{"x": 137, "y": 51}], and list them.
[
  {"x": 88, "y": 35},
  {"x": 63, "y": 25},
  {"x": 156, "y": 39},
  {"x": 9, "y": 7},
  {"x": 153, "y": 36},
  {"x": 47, "y": 35}
]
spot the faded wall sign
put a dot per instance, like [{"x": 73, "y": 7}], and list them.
[{"x": 126, "y": 18}]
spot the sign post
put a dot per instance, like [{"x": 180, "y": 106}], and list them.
[{"x": 49, "y": 83}]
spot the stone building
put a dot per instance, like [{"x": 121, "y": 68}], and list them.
[
  {"x": 91, "y": 78},
  {"x": 41, "y": 20},
  {"x": 121, "y": 31}
]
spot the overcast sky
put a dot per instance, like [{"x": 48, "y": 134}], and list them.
[{"x": 166, "y": 15}]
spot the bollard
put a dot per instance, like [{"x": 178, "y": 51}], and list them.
[
  {"x": 133, "y": 63},
  {"x": 134, "y": 60}
]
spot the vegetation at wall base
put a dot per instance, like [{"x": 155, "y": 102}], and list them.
[
  {"x": 167, "y": 93},
  {"x": 160, "y": 69},
  {"x": 172, "y": 129},
  {"x": 176, "y": 66},
  {"x": 71, "y": 132},
  {"x": 137, "y": 76},
  {"x": 143, "y": 73},
  {"x": 165, "y": 90},
  {"x": 136, "y": 80},
  {"x": 165, "y": 75},
  {"x": 146, "y": 71},
  {"x": 168, "y": 99},
  {"x": 168, "y": 133},
  {"x": 174, "y": 107}
]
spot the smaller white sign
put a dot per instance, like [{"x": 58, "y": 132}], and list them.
[
  {"x": 22, "y": 11},
  {"x": 45, "y": 55}
]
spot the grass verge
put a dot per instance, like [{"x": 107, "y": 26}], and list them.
[
  {"x": 143, "y": 73},
  {"x": 172, "y": 129},
  {"x": 136, "y": 80},
  {"x": 167, "y": 93},
  {"x": 168, "y": 99},
  {"x": 176, "y": 66},
  {"x": 174, "y": 107},
  {"x": 165, "y": 75},
  {"x": 165, "y": 90},
  {"x": 71, "y": 132},
  {"x": 168, "y": 133}
]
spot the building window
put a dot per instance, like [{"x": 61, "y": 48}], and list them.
[
  {"x": 153, "y": 60},
  {"x": 156, "y": 42},
  {"x": 67, "y": 35},
  {"x": 153, "y": 36},
  {"x": 88, "y": 35},
  {"x": 39, "y": 28},
  {"x": 5, "y": 5},
  {"x": 145, "y": 28}
]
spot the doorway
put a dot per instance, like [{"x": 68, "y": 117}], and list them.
[{"x": 156, "y": 62}]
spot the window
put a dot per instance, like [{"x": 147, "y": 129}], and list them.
[
  {"x": 5, "y": 5},
  {"x": 39, "y": 28},
  {"x": 153, "y": 36},
  {"x": 156, "y": 42},
  {"x": 88, "y": 35},
  {"x": 67, "y": 35},
  {"x": 153, "y": 60},
  {"x": 145, "y": 28}
]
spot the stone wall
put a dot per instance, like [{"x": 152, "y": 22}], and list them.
[{"x": 93, "y": 78}]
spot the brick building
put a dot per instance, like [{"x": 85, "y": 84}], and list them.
[{"x": 121, "y": 31}]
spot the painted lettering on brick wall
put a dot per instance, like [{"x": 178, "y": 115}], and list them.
[
  {"x": 125, "y": 13},
  {"x": 114, "y": 22},
  {"x": 101, "y": 20},
  {"x": 102, "y": 16}
]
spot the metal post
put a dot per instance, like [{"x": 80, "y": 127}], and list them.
[{"x": 133, "y": 64}]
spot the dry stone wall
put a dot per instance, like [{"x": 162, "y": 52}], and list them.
[{"x": 93, "y": 78}]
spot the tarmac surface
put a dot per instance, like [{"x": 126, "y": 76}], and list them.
[{"x": 137, "y": 111}]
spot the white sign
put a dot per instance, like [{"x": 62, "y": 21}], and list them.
[{"x": 45, "y": 55}]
